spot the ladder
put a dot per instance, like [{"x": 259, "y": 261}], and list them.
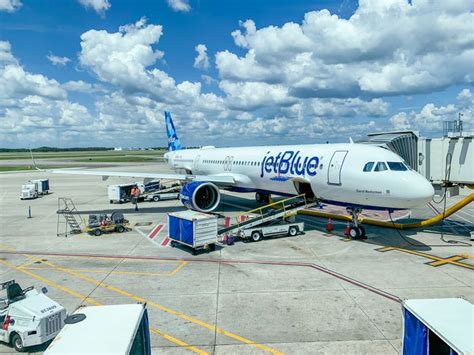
[
  {"x": 69, "y": 223},
  {"x": 275, "y": 210}
]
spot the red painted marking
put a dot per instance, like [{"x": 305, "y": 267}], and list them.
[
  {"x": 155, "y": 231},
  {"x": 227, "y": 222},
  {"x": 165, "y": 242}
]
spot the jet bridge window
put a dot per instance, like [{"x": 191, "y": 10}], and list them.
[
  {"x": 369, "y": 166},
  {"x": 396, "y": 166},
  {"x": 381, "y": 166}
]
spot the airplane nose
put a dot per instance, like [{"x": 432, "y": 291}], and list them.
[{"x": 423, "y": 191}]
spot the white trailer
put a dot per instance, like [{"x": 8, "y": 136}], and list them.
[
  {"x": 113, "y": 329},
  {"x": 42, "y": 186},
  {"x": 270, "y": 229},
  {"x": 193, "y": 229},
  {"x": 119, "y": 193},
  {"x": 28, "y": 317}
]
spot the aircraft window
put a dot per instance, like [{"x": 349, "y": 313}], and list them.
[
  {"x": 258, "y": 163},
  {"x": 381, "y": 166},
  {"x": 369, "y": 166},
  {"x": 396, "y": 166},
  {"x": 321, "y": 167}
]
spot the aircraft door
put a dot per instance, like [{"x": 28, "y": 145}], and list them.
[
  {"x": 196, "y": 164},
  {"x": 335, "y": 167}
]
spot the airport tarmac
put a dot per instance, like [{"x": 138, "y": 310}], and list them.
[{"x": 313, "y": 293}]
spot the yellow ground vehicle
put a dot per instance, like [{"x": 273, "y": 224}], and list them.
[{"x": 101, "y": 223}]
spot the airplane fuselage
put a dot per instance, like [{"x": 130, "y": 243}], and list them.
[{"x": 338, "y": 173}]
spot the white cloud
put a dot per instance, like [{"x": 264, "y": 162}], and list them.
[
  {"x": 10, "y": 5},
  {"x": 208, "y": 79},
  {"x": 58, "y": 61},
  {"x": 82, "y": 86},
  {"x": 430, "y": 118},
  {"x": 201, "y": 61},
  {"x": 179, "y": 5},
  {"x": 99, "y": 6},
  {"x": 386, "y": 48},
  {"x": 121, "y": 58}
]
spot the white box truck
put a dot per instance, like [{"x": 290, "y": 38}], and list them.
[{"x": 28, "y": 191}]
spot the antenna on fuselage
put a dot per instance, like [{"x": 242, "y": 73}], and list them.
[{"x": 351, "y": 141}]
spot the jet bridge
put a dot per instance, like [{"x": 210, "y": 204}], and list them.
[
  {"x": 273, "y": 211},
  {"x": 445, "y": 161}
]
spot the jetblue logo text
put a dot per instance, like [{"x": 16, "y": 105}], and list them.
[{"x": 289, "y": 162}]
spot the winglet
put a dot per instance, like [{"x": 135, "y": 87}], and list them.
[
  {"x": 173, "y": 141},
  {"x": 351, "y": 141}
]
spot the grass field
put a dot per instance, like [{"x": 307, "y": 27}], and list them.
[
  {"x": 84, "y": 156},
  {"x": 27, "y": 168}
]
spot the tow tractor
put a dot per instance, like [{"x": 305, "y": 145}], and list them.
[
  {"x": 28, "y": 317},
  {"x": 101, "y": 223}
]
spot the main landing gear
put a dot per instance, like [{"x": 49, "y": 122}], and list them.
[
  {"x": 356, "y": 231},
  {"x": 262, "y": 198}
]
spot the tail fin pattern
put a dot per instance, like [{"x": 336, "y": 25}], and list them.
[{"x": 173, "y": 141}]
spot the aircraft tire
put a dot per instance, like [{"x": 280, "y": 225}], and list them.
[
  {"x": 361, "y": 232},
  {"x": 354, "y": 233}
]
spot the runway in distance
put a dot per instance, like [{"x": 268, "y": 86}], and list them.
[{"x": 350, "y": 174}]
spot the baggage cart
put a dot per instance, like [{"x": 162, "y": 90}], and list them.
[{"x": 193, "y": 229}]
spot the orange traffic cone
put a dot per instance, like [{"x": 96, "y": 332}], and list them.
[
  {"x": 348, "y": 229},
  {"x": 329, "y": 226},
  {"x": 224, "y": 239}
]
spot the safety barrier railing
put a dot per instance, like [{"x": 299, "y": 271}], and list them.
[{"x": 263, "y": 210}]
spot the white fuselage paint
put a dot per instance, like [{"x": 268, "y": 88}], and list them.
[{"x": 334, "y": 172}]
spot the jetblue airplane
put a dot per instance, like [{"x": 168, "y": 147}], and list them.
[{"x": 353, "y": 175}]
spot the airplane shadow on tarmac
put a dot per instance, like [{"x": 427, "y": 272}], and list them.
[{"x": 378, "y": 236}]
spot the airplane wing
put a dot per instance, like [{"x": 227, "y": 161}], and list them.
[{"x": 218, "y": 179}]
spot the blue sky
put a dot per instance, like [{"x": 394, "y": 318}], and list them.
[{"x": 101, "y": 72}]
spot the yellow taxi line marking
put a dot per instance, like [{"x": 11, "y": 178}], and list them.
[
  {"x": 179, "y": 342},
  {"x": 445, "y": 261},
  {"x": 104, "y": 271},
  {"x": 51, "y": 283},
  {"x": 183, "y": 264},
  {"x": 95, "y": 303},
  {"x": 27, "y": 264},
  {"x": 432, "y": 257},
  {"x": 166, "y": 262},
  {"x": 165, "y": 309}
]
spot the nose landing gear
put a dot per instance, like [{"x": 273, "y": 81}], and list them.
[{"x": 356, "y": 231}]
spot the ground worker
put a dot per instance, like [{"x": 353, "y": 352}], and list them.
[{"x": 135, "y": 194}]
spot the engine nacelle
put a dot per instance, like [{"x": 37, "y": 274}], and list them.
[{"x": 200, "y": 196}]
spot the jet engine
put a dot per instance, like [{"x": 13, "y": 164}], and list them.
[{"x": 200, "y": 196}]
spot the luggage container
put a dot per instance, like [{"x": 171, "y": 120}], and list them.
[
  {"x": 122, "y": 329},
  {"x": 193, "y": 229},
  {"x": 42, "y": 186},
  {"x": 438, "y": 326},
  {"x": 119, "y": 193}
]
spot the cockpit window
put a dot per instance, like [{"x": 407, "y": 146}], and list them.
[
  {"x": 381, "y": 166},
  {"x": 396, "y": 166},
  {"x": 369, "y": 166}
]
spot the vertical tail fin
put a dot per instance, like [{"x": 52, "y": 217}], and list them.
[{"x": 173, "y": 141}]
